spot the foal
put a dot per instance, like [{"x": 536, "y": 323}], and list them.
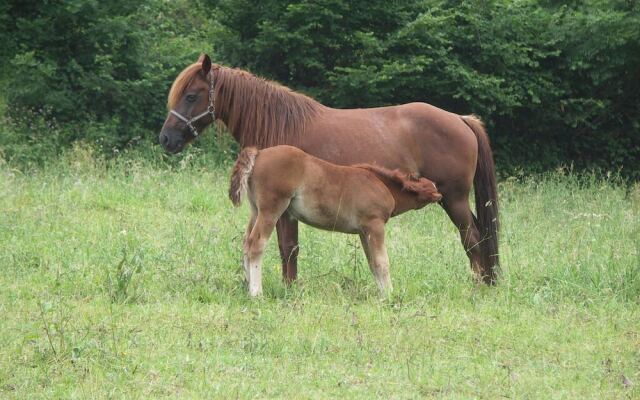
[{"x": 355, "y": 199}]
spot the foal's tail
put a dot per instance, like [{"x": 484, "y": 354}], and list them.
[
  {"x": 486, "y": 194},
  {"x": 241, "y": 172}
]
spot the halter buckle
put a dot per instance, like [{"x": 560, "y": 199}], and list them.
[{"x": 192, "y": 128}]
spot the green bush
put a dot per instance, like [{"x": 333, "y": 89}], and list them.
[
  {"x": 101, "y": 70},
  {"x": 556, "y": 84}
]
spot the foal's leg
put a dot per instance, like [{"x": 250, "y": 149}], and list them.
[
  {"x": 270, "y": 209},
  {"x": 287, "y": 229},
  {"x": 245, "y": 249},
  {"x": 256, "y": 243},
  {"x": 372, "y": 238},
  {"x": 458, "y": 209}
]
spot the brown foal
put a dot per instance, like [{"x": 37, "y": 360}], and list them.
[{"x": 351, "y": 199}]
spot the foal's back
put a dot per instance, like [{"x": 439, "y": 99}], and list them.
[{"x": 318, "y": 193}]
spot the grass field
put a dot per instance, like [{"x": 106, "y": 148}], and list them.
[{"x": 121, "y": 280}]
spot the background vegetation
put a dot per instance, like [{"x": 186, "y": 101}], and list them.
[
  {"x": 123, "y": 280},
  {"x": 557, "y": 82}
]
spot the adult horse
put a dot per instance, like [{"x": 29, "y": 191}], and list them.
[{"x": 451, "y": 150}]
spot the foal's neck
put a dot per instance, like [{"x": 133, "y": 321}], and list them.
[{"x": 409, "y": 192}]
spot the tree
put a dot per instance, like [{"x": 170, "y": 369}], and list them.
[
  {"x": 302, "y": 42},
  {"x": 101, "y": 69},
  {"x": 556, "y": 83}
]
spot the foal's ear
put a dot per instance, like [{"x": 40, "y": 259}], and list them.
[{"x": 206, "y": 63}]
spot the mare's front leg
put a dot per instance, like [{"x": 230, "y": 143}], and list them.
[
  {"x": 372, "y": 238},
  {"x": 287, "y": 228}
]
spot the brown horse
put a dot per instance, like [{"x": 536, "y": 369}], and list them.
[
  {"x": 449, "y": 149},
  {"x": 351, "y": 199}
]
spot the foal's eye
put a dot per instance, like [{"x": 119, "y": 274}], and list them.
[{"x": 191, "y": 98}]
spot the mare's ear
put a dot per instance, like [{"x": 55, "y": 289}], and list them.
[{"x": 206, "y": 63}]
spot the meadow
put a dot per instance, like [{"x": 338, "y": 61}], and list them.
[{"x": 122, "y": 279}]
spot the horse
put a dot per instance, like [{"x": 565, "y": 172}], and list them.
[
  {"x": 449, "y": 149},
  {"x": 357, "y": 199}
]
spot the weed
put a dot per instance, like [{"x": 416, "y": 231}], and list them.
[{"x": 119, "y": 281}]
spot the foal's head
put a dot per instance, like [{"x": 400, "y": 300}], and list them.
[{"x": 190, "y": 104}]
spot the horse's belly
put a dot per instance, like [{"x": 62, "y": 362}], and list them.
[
  {"x": 323, "y": 214},
  {"x": 414, "y": 137},
  {"x": 378, "y": 136}
]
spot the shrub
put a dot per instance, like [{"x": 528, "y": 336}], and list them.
[
  {"x": 556, "y": 84},
  {"x": 101, "y": 70}
]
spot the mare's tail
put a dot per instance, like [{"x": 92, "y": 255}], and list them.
[
  {"x": 425, "y": 189},
  {"x": 486, "y": 194},
  {"x": 241, "y": 172}
]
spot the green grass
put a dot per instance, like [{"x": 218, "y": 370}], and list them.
[{"x": 124, "y": 280}]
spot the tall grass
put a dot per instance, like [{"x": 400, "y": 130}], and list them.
[{"x": 122, "y": 278}]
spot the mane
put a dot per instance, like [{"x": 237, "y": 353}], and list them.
[
  {"x": 258, "y": 112},
  {"x": 425, "y": 189}
]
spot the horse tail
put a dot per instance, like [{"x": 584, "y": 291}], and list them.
[
  {"x": 241, "y": 173},
  {"x": 486, "y": 194}
]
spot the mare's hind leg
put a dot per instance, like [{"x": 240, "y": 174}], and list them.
[
  {"x": 457, "y": 207},
  {"x": 372, "y": 238}
]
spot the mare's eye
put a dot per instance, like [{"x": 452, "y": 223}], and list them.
[{"x": 191, "y": 98}]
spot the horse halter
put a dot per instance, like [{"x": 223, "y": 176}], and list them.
[{"x": 211, "y": 109}]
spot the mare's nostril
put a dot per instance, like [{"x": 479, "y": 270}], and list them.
[{"x": 164, "y": 139}]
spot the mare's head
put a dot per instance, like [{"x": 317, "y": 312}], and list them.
[{"x": 190, "y": 104}]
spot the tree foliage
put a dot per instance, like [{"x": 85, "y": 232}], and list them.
[
  {"x": 100, "y": 69},
  {"x": 556, "y": 82}
]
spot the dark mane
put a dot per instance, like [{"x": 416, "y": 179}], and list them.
[
  {"x": 258, "y": 112},
  {"x": 422, "y": 187}
]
